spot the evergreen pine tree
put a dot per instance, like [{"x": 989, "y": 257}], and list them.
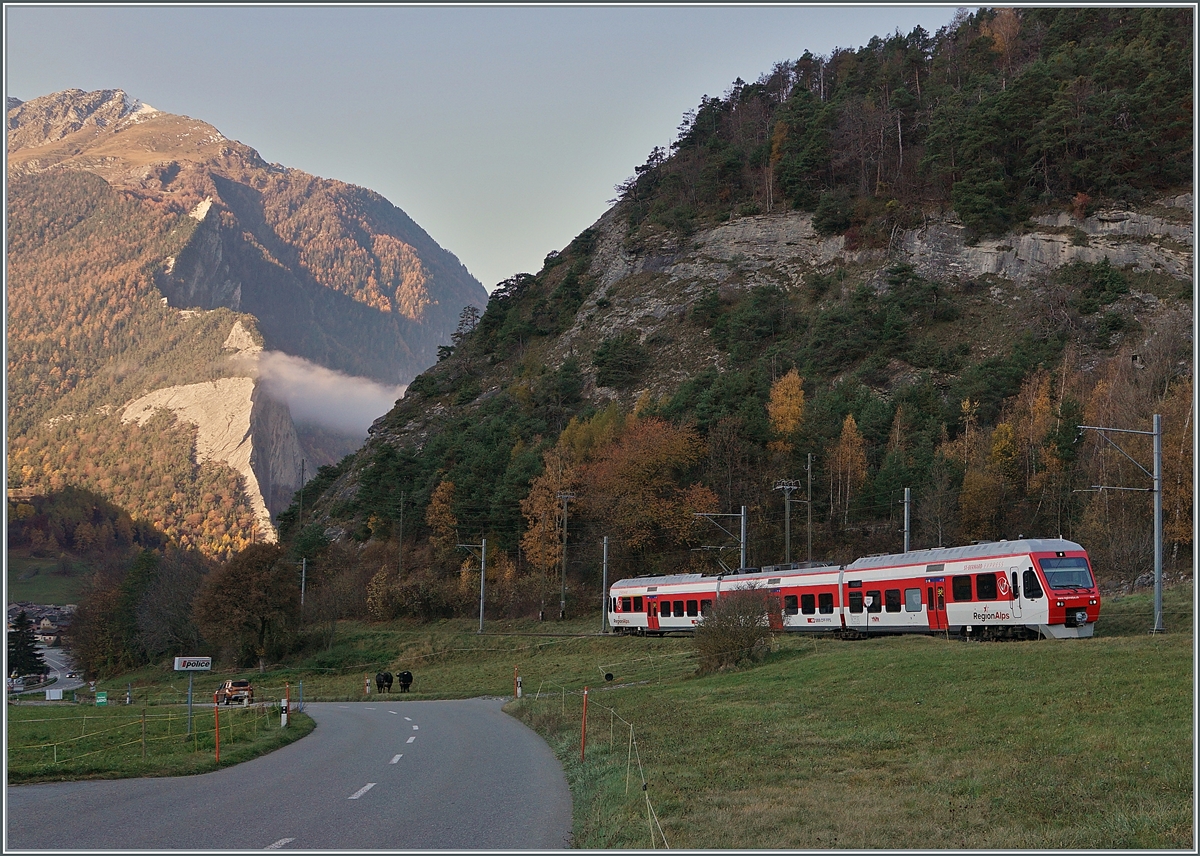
[{"x": 23, "y": 656}]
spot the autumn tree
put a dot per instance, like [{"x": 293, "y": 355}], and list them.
[
  {"x": 848, "y": 468},
  {"x": 639, "y": 485},
  {"x": 785, "y": 411},
  {"x": 442, "y": 521},
  {"x": 250, "y": 606},
  {"x": 541, "y": 542}
]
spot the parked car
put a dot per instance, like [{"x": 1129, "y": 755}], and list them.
[{"x": 235, "y": 691}]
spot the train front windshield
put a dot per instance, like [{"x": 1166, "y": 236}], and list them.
[{"x": 1065, "y": 573}]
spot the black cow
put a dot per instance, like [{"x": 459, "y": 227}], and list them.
[
  {"x": 383, "y": 681},
  {"x": 405, "y": 680}
]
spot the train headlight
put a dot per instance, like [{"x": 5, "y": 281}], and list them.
[
  {"x": 1092, "y": 602},
  {"x": 1060, "y": 603}
]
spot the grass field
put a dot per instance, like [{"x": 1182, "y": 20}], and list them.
[
  {"x": 34, "y": 580},
  {"x": 888, "y": 743}
]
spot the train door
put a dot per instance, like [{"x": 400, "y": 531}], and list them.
[
  {"x": 855, "y": 613},
  {"x": 1014, "y": 591},
  {"x": 652, "y": 612},
  {"x": 775, "y": 616},
  {"x": 935, "y": 594}
]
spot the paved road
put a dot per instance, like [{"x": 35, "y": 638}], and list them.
[{"x": 386, "y": 774}]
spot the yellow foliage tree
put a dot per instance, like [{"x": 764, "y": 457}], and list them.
[
  {"x": 785, "y": 410},
  {"x": 849, "y": 469},
  {"x": 542, "y": 508},
  {"x": 440, "y": 517}
]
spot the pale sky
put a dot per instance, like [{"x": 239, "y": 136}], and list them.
[{"x": 500, "y": 129}]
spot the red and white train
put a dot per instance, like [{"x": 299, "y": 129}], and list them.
[{"x": 1031, "y": 588}]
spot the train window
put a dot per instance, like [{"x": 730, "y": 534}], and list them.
[
  {"x": 912, "y": 600},
  {"x": 612, "y": 604},
  {"x": 808, "y": 604},
  {"x": 791, "y": 604},
  {"x": 985, "y": 586},
  {"x": 856, "y": 601},
  {"x": 825, "y": 603},
  {"x": 627, "y": 604},
  {"x": 679, "y": 609},
  {"x": 960, "y": 587},
  {"x": 1032, "y": 589},
  {"x": 892, "y": 599},
  {"x": 876, "y": 604},
  {"x": 705, "y": 607},
  {"x": 637, "y": 605},
  {"x": 693, "y": 608}
]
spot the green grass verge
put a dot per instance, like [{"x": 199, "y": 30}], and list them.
[
  {"x": 48, "y": 743},
  {"x": 903, "y": 742},
  {"x": 32, "y": 580}
]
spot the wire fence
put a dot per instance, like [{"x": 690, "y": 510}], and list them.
[
  {"x": 54, "y": 736},
  {"x": 559, "y": 692}
]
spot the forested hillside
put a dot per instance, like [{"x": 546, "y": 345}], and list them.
[
  {"x": 925, "y": 262},
  {"x": 148, "y": 252}
]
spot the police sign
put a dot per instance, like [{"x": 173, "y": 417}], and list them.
[{"x": 193, "y": 664}]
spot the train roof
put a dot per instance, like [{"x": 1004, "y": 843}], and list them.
[
  {"x": 971, "y": 551},
  {"x": 743, "y": 574}
]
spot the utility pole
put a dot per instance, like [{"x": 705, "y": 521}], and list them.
[
  {"x": 808, "y": 530},
  {"x": 787, "y": 486},
  {"x": 907, "y": 497},
  {"x": 482, "y": 547},
  {"x": 604, "y": 591},
  {"x": 400, "y": 540},
  {"x": 1155, "y": 489},
  {"x": 303, "y": 575},
  {"x": 562, "y": 592}
]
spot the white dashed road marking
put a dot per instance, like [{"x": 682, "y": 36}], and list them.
[
  {"x": 370, "y": 708},
  {"x": 361, "y": 791},
  {"x": 411, "y": 739},
  {"x": 393, "y": 713},
  {"x": 408, "y": 719},
  {"x": 415, "y": 727},
  {"x": 395, "y": 759},
  {"x": 278, "y": 844}
]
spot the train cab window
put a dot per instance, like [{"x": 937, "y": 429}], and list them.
[
  {"x": 808, "y": 604},
  {"x": 612, "y": 604},
  {"x": 960, "y": 587},
  {"x": 856, "y": 601},
  {"x": 912, "y": 600},
  {"x": 791, "y": 604},
  {"x": 627, "y": 604},
  {"x": 985, "y": 586},
  {"x": 705, "y": 607},
  {"x": 637, "y": 605},
  {"x": 825, "y": 603},
  {"x": 891, "y": 598},
  {"x": 679, "y": 609},
  {"x": 876, "y": 604},
  {"x": 693, "y": 608},
  {"x": 1029, "y": 580}
]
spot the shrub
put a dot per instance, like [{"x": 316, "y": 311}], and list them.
[{"x": 736, "y": 630}]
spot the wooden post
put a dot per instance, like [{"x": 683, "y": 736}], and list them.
[{"x": 143, "y": 734}]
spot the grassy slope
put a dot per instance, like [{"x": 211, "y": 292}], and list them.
[
  {"x": 34, "y": 580},
  {"x": 890, "y": 743}
]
